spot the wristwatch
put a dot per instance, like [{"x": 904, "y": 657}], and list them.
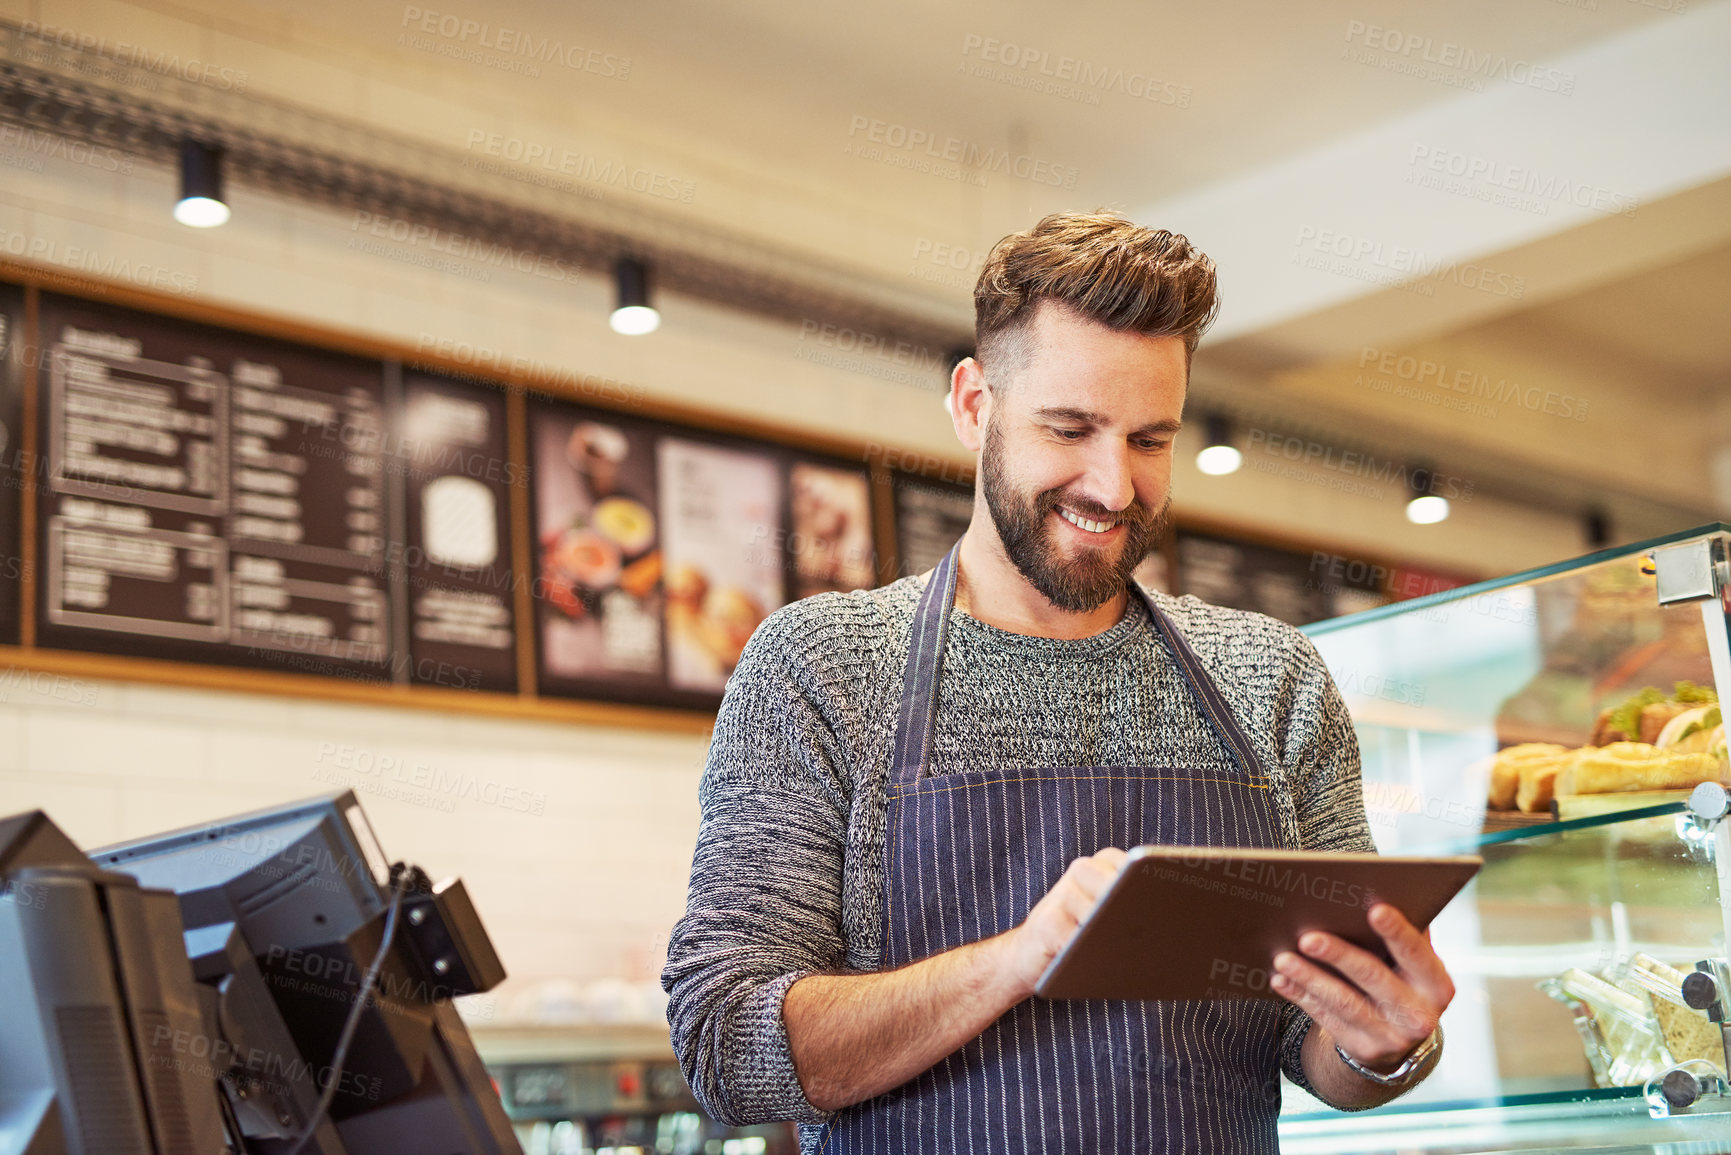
[{"x": 1408, "y": 1070}]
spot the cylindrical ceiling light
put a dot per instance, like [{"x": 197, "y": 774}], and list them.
[
  {"x": 201, "y": 205},
  {"x": 633, "y": 315},
  {"x": 1424, "y": 507},
  {"x": 1219, "y": 456},
  {"x": 1597, "y": 525}
]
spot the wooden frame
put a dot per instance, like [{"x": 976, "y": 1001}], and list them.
[{"x": 518, "y": 386}]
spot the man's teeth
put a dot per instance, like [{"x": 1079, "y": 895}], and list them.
[{"x": 1084, "y": 523}]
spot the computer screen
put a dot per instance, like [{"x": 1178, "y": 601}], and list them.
[{"x": 285, "y": 910}]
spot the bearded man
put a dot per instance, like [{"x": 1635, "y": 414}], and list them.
[{"x": 915, "y": 794}]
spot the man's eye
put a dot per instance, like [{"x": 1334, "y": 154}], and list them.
[
  {"x": 1150, "y": 445},
  {"x": 1071, "y": 434}
]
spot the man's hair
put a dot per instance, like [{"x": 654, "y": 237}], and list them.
[{"x": 1100, "y": 266}]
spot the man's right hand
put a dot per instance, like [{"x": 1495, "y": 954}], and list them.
[
  {"x": 1049, "y": 927},
  {"x": 859, "y": 1035}
]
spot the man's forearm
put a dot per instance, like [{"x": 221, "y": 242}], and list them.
[
  {"x": 1338, "y": 1084},
  {"x": 856, "y": 1036}
]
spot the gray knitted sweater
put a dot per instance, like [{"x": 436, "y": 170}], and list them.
[{"x": 788, "y": 875}]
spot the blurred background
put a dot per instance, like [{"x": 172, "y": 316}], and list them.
[{"x": 1475, "y": 262}]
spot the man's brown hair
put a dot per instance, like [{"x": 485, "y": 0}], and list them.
[{"x": 1100, "y": 266}]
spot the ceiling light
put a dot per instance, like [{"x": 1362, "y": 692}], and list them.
[
  {"x": 1219, "y": 456},
  {"x": 633, "y": 315},
  {"x": 201, "y": 205},
  {"x": 1425, "y": 507}
]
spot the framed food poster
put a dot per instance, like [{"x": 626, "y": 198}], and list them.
[
  {"x": 721, "y": 514},
  {"x": 829, "y": 538},
  {"x": 598, "y": 551}
]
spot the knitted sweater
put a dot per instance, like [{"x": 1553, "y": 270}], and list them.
[{"x": 788, "y": 875}]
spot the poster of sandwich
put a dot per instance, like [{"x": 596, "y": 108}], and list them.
[
  {"x": 598, "y": 553},
  {"x": 721, "y": 520}
]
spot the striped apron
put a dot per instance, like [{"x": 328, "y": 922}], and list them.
[{"x": 969, "y": 853}]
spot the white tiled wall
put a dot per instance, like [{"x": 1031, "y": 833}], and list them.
[{"x": 585, "y": 889}]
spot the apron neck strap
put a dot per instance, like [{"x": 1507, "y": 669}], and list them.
[{"x": 931, "y": 628}]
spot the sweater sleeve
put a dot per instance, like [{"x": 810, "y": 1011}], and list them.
[
  {"x": 1322, "y": 769},
  {"x": 764, "y": 904}
]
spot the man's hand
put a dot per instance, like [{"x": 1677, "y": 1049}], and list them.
[
  {"x": 856, "y": 1036},
  {"x": 1054, "y": 919},
  {"x": 1382, "y": 1013}
]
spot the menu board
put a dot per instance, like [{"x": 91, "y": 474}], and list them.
[
  {"x": 209, "y": 495},
  {"x": 930, "y": 518},
  {"x": 456, "y": 567},
  {"x": 599, "y": 594},
  {"x": 830, "y": 539},
  {"x": 12, "y": 462},
  {"x": 659, "y": 550},
  {"x": 1295, "y": 586},
  {"x": 721, "y": 512}
]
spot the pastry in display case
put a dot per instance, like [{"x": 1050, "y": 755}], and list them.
[{"x": 1566, "y": 725}]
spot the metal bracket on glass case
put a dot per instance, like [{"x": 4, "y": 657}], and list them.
[
  {"x": 1696, "y": 1087},
  {"x": 1691, "y": 572}
]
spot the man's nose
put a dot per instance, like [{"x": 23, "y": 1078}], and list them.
[{"x": 1109, "y": 480}]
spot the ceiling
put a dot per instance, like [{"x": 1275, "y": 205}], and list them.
[{"x": 1276, "y": 130}]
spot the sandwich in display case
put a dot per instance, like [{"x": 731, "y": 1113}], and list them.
[{"x": 1564, "y": 723}]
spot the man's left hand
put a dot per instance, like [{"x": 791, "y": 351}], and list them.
[{"x": 1380, "y": 1014}]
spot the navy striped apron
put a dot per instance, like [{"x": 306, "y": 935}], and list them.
[{"x": 968, "y": 854}]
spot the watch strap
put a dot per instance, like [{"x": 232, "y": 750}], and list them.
[{"x": 1409, "y": 1068}]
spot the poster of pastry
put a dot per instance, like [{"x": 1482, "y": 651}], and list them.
[
  {"x": 721, "y": 518},
  {"x": 830, "y": 542},
  {"x": 598, "y": 553},
  {"x": 458, "y": 565}
]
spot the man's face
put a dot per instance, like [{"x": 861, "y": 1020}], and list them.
[{"x": 1076, "y": 457}]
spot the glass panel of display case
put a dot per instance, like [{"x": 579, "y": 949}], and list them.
[{"x": 1555, "y": 722}]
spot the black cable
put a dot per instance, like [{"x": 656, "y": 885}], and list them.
[{"x": 398, "y": 885}]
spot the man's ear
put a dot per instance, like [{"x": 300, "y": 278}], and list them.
[{"x": 969, "y": 403}]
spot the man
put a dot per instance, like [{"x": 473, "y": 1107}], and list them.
[{"x": 915, "y": 793}]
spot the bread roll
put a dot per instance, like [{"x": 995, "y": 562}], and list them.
[
  {"x": 1654, "y": 717},
  {"x": 1625, "y": 766},
  {"x": 1538, "y": 785},
  {"x": 1506, "y": 770}
]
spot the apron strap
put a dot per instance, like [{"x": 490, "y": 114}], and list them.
[
  {"x": 931, "y": 627},
  {"x": 1206, "y": 690}
]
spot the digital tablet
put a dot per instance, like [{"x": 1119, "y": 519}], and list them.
[{"x": 1196, "y": 922}]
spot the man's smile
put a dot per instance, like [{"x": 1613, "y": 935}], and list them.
[{"x": 1089, "y": 525}]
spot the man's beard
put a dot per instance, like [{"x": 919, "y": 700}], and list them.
[{"x": 1075, "y": 584}]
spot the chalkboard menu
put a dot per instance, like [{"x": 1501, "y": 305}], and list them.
[
  {"x": 659, "y": 550},
  {"x": 13, "y": 465},
  {"x": 1293, "y": 585},
  {"x": 209, "y": 495},
  {"x": 931, "y": 516},
  {"x": 456, "y": 566}
]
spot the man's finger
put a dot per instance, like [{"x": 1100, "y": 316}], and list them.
[
  {"x": 1339, "y": 1009},
  {"x": 1412, "y": 953},
  {"x": 1091, "y": 875},
  {"x": 1370, "y": 973}
]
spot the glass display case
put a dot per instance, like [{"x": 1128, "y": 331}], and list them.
[{"x": 1563, "y": 723}]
